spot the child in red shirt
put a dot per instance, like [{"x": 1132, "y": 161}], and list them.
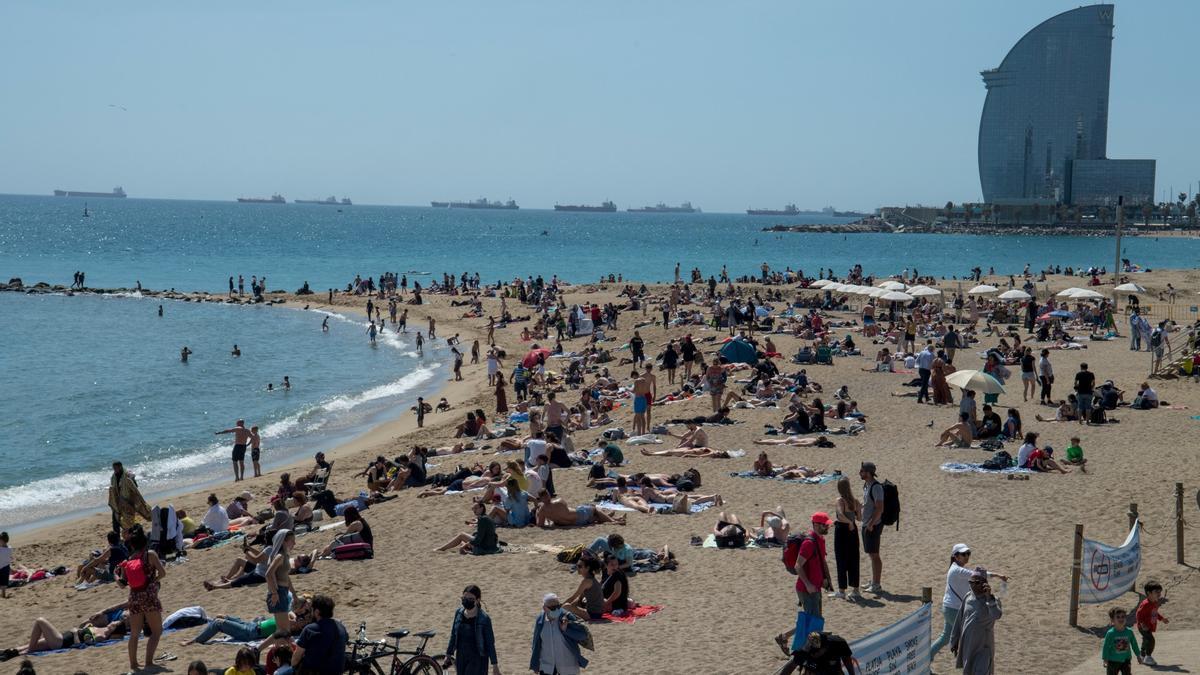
[{"x": 1148, "y": 618}]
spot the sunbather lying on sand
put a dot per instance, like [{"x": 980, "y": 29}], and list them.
[
  {"x": 696, "y": 453},
  {"x": 801, "y": 441},
  {"x": 554, "y": 512}
]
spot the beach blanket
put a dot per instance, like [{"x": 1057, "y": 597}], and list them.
[
  {"x": 645, "y": 439},
  {"x": 631, "y": 615},
  {"x": 84, "y": 645},
  {"x": 815, "y": 480},
  {"x": 961, "y": 467},
  {"x": 711, "y": 542},
  {"x": 661, "y": 508}
]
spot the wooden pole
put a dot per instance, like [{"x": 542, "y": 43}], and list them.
[
  {"x": 1133, "y": 514},
  {"x": 1076, "y": 569},
  {"x": 1179, "y": 523},
  {"x": 927, "y": 595}
]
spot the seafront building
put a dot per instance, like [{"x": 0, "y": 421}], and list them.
[{"x": 1043, "y": 135}]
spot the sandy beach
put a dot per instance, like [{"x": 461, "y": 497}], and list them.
[{"x": 721, "y": 607}]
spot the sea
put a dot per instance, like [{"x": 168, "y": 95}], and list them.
[{"x": 85, "y": 380}]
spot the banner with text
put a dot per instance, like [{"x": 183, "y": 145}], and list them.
[
  {"x": 1110, "y": 571},
  {"x": 902, "y": 647}
]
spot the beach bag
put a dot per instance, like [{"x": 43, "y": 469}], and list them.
[
  {"x": 806, "y": 623},
  {"x": 694, "y": 476},
  {"x": 137, "y": 572},
  {"x": 891, "y": 504},
  {"x": 998, "y": 461},
  {"x": 614, "y": 434},
  {"x": 571, "y": 555},
  {"x": 357, "y": 551}
]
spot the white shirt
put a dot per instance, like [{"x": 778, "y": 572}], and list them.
[
  {"x": 5, "y": 557},
  {"x": 1149, "y": 394},
  {"x": 534, "y": 480},
  {"x": 1024, "y": 452},
  {"x": 1044, "y": 367},
  {"x": 217, "y": 519},
  {"x": 958, "y": 581},
  {"x": 533, "y": 448}
]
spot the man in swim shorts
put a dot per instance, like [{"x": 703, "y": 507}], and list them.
[
  {"x": 256, "y": 449},
  {"x": 241, "y": 436},
  {"x": 641, "y": 399}
]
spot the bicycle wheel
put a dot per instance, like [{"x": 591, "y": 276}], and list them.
[{"x": 419, "y": 665}]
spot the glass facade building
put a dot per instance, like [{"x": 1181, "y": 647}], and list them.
[
  {"x": 1098, "y": 182},
  {"x": 1046, "y": 107}
]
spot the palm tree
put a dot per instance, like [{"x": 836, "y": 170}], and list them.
[
  {"x": 966, "y": 213},
  {"x": 1147, "y": 210},
  {"x": 949, "y": 210},
  {"x": 1191, "y": 214}
]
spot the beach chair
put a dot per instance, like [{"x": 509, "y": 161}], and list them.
[
  {"x": 824, "y": 355},
  {"x": 804, "y": 355},
  {"x": 321, "y": 481}
]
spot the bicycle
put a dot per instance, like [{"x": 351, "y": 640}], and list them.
[{"x": 367, "y": 655}]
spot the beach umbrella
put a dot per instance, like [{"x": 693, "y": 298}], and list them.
[
  {"x": 861, "y": 290},
  {"x": 982, "y": 289},
  {"x": 739, "y": 351},
  {"x": 1056, "y": 314},
  {"x": 820, "y": 283},
  {"x": 1130, "y": 288},
  {"x": 976, "y": 380},
  {"x": 837, "y": 288},
  {"x": 877, "y": 292},
  {"x": 531, "y": 359},
  {"x": 892, "y": 285},
  {"x": 1068, "y": 292},
  {"x": 923, "y": 291},
  {"x": 896, "y": 296},
  {"x": 1086, "y": 294},
  {"x": 1015, "y": 294}
]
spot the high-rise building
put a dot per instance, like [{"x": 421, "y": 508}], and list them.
[{"x": 1043, "y": 135}]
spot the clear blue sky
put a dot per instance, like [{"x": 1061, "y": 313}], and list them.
[{"x": 726, "y": 104}]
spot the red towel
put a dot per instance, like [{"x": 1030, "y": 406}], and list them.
[{"x": 638, "y": 612}]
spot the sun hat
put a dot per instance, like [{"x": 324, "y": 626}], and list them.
[
  {"x": 246, "y": 496},
  {"x": 960, "y": 548}
]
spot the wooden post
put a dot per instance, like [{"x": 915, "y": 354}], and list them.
[
  {"x": 1076, "y": 569},
  {"x": 1179, "y": 523},
  {"x": 1133, "y": 514},
  {"x": 927, "y": 595}
]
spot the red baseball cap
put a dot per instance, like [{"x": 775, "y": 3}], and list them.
[{"x": 822, "y": 518}]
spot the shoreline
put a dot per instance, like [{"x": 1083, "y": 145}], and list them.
[{"x": 374, "y": 436}]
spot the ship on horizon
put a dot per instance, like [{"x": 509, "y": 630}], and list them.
[
  {"x": 275, "y": 199},
  {"x": 685, "y": 207},
  {"x": 481, "y": 203},
  {"x": 789, "y": 210},
  {"x": 605, "y": 207},
  {"x": 117, "y": 192},
  {"x": 328, "y": 201}
]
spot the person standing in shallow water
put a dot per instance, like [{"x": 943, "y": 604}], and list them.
[{"x": 241, "y": 437}]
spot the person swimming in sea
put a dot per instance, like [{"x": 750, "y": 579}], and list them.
[
  {"x": 184, "y": 354},
  {"x": 325, "y": 325},
  {"x": 236, "y": 351}
]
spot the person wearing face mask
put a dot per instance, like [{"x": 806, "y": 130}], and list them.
[
  {"x": 557, "y": 637},
  {"x": 472, "y": 644}
]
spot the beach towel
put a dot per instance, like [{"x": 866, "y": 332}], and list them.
[
  {"x": 661, "y": 508},
  {"x": 737, "y": 453},
  {"x": 645, "y": 439},
  {"x": 711, "y": 542},
  {"x": 84, "y": 645},
  {"x": 961, "y": 467},
  {"x": 631, "y": 615},
  {"x": 815, "y": 480}
]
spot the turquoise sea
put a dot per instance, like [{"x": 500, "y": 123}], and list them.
[{"x": 90, "y": 379}]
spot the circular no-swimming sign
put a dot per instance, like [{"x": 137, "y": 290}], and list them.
[{"x": 1099, "y": 570}]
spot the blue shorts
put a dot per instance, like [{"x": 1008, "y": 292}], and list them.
[
  {"x": 639, "y": 404},
  {"x": 584, "y": 513},
  {"x": 284, "y": 604}
]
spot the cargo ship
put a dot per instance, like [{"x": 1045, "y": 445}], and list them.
[
  {"x": 685, "y": 207},
  {"x": 605, "y": 207},
  {"x": 275, "y": 199},
  {"x": 789, "y": 210},
  {"x": 116, "y": 192},
  {"x": 329, "y": 201},
  {"x": 480, "y": 203}
]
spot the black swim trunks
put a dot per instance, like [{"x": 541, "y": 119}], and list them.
[
  {"x": 255, "y": 454},
  {"x": 239, "y": 452}
]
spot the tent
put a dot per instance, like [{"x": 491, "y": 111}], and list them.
[
  {"x": 531, "y": 359},
  {"x": 739, "y": 351}
]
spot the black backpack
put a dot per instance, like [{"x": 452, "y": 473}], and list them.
[
  {"x": 891, "y": 504},
  {"x": 998, "y": 461}
]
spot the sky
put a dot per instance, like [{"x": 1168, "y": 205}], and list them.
[{"x": 730, "y": 105}]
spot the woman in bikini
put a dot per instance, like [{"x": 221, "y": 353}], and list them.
[{"x": 694, "y": 453}]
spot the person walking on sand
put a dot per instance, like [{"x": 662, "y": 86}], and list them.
[
  {"x": 958, "y": 585},
  {"x": 141, "y": 573},
  {"x": 432, "y": 328},
  {"x": 241, "y": 437},
  {"x": 125, "y": 500},
  {"x": 804, "y": 556},
  {"x": 973, "y": 641},
  {"x": 420, "y": 412},
  {"x": 501, "y": 394},
  {"x": 557, "y": 637},
  {"x": 472, "y": 644}
]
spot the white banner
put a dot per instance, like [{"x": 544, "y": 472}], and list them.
[
  {"x": 1109, "y": 571},
  {"x": 902, "y": 647}
]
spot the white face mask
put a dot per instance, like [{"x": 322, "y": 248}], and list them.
[{"x": 554, "y": 613}]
